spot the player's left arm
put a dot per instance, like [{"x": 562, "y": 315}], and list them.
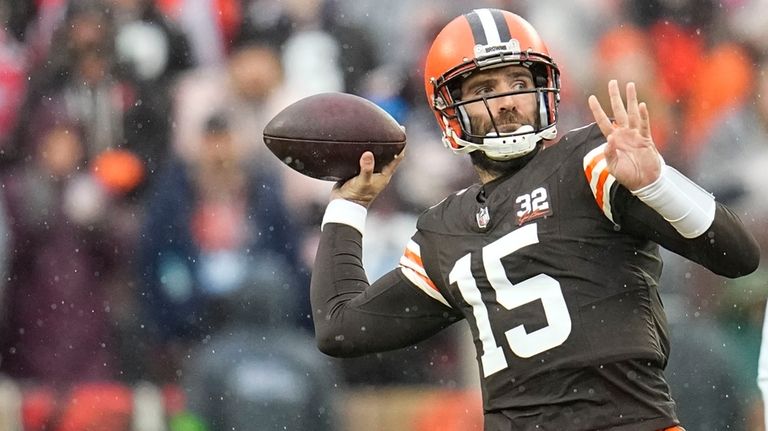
[
  {"x": 725, "y": 247},
  {"x": 667, "y": 207}
]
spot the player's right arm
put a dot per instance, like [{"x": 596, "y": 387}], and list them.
[{"x": 351, "y": 316}]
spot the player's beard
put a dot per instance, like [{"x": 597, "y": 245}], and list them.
[
  {"x": 507, "y": 122},
  {"x": 502, "y": 168}
]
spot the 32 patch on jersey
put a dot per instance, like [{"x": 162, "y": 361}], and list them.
[{"x": 533, "y": 205}]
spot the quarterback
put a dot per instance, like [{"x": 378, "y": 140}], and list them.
[{"x": 552, "y": 258}]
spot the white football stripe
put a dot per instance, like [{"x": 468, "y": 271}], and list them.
[{"x": 489, "y": 27}]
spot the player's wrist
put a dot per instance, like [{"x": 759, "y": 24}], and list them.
[
  {"x": 362, "y": 202},
  {"x": 345, "y": 211}
]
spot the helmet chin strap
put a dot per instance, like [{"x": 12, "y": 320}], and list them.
[{"x": 510, "y": 146}]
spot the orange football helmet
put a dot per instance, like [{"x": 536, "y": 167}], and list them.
[{"x": 484, "y": 39}]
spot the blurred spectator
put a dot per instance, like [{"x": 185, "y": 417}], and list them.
[
  {"x": 58, "y": 327},
  {"x": 321, "y": 50},
  {"x": 207, "y": 222},
  {"x": 16, "y": 15},
  {"x": 707, "y": 104},
  {"x": 732, "y": 161},
  {"x": 624, "y": 53},
  {"x": 257, "y": 372},
  {"x": 212, "y": 26},
  {"x": 149, "y": 44},
  {"x": 732, "y": 164},
  {"x": 747, "y": 23},
  {"x": 691, "y": 45},
  {"x": 81, "y": 82},
  {"x": 249, "y": 91},
  {"x": 246, "y": 91},
  {"x": 150, "y": 52},
  {"x": 13, "y": 85},
  {"x": 43, "y": 23},
  {"x": 703, "y": 376},
  {"x": 76, "y": 83},
  {"x": 740, "y": 315},
  {"x": 572, "y": 33},
  {"x": 5, "y": 249}
]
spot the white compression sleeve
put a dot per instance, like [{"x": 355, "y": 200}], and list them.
[
  {"x": 684, "y": 204},
  {"x": 345, "y": 212}
]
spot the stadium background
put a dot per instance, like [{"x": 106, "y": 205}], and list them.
[{"x": 155, "y": 256}]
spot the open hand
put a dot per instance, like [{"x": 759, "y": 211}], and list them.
[
  {"x": 631, "y": 155},
  {"x": 363, "y": 188}
]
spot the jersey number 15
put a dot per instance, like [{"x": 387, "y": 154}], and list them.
[{"x": 510, "y": 296}]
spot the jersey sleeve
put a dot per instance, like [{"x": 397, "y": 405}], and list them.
[
  {"x": 601, "y": 182},
  {"x": 412, "y": 267},
  {"x": 726, "y": 248},
  {"x": 353, "y": 317}
]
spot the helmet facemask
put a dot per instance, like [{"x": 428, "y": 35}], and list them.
[{"x": 497, "y": 143}]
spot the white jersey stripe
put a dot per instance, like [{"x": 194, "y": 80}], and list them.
[
  {"x": 414, "y": 247},
  {"x": 419, "y": 282},
  {"x": 607, "y": 197},
  {"x": 600, "y": 190},
  {"x": 408, "y": 263}
]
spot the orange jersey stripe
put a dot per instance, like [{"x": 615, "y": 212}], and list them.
[
  {"x": 591, "y": 166},
  {"x": 414, "y": 257},
  {"x": 428, "y": 281},
  {"x": 600, "y": 187}
]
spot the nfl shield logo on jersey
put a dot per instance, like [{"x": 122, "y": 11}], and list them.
[{"x": 483, "y": 217}]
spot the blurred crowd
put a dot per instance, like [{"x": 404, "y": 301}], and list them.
[{"x": 154, "y": 253}]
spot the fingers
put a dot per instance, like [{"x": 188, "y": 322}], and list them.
[
  {"x": 633, "y": 116},
  {"x": 619, "y": 113},
  {"x": 392, "y": 166},
  {"x": 645, "y": 121},
  {"x": 367, "y": 163},
  {"x": 601, "y": 118}
]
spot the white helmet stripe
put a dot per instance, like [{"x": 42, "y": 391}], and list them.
[{"x": 489, "y": 26}]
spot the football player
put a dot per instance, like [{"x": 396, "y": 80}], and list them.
[{"x": 553, "y": 258}]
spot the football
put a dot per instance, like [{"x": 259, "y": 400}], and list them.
[{"x": 324, "y": 135}]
